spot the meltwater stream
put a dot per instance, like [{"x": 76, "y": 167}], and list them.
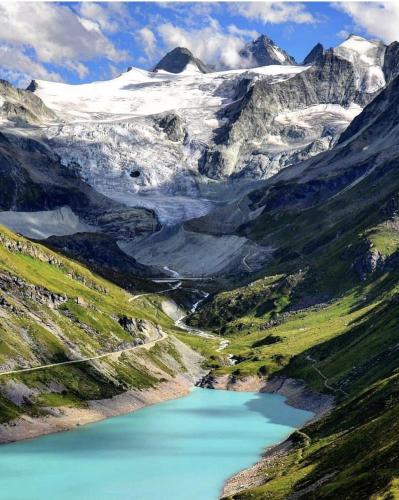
[{"x": 177, "y": 450}]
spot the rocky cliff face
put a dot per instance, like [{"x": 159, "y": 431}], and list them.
[
  {"x": 23, "y": 106},
  {"x": 263, "y": 52},
  {"x": 391, "y": 62},
  {"x": 366, "y": 156},
  {"x": 315, "y": 54},
  {"x": 178, "y": 60},
  {"x": 262, "y": 117}
]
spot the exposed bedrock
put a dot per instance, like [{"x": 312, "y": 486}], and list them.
[{"x": 255, "y": 119}]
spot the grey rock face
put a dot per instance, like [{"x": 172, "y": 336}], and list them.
[
  {"x": 360, "y": 170},
  {"x": 264, "y": 52},
  {"x": 368, "y": 262},
  {"x": 315, "y": 54},
  {"x": 378, "y": 120},
  {"x": 22, "y": 106},
  {"x": 331, "y": 80},
  {"x": 173, "y": 126},
  {"x": 177, "y": 60},
  {"x": 97, "y": 250},
  {"x": 17, "y": 287},
  {"x": 391, "y": 62},
  {"x": 33, "y": 179}
]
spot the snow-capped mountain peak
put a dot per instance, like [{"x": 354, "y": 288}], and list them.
[{"x": 263, "y": 52}]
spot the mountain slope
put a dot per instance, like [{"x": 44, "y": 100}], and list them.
[
  {"x": 324, "y": 310},
  {"x": 54, "y": 311},
  {"x": 238, "y": 124},
  {"x": 268, "y": 127},
  {"x": 314, "y": 54},
  {"x": 264, "y": 52},
  {"x": 23, "y": 106}
]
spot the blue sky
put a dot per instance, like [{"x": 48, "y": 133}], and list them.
[{"x": 82, "y": 42}]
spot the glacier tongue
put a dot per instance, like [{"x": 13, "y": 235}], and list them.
[
  {"x": 139, "y": 137},
  {"x": 142, "y": 136}
]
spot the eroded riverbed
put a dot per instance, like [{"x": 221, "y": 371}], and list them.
[{"x": 177, "y": 450}]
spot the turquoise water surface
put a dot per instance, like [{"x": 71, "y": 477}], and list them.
[{"x": 178, "y": 450}]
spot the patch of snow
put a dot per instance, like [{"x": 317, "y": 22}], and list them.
[
  {"x": 41, "y": 225},
  {"x": 190, "y": 69},
  {"x": 142, "y": 93},
  {"x": 368, "y": 58},
  {"x": 328, "y": 115},
  {"x": 279, "y": 55}
]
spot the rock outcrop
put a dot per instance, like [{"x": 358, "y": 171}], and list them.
[
  {"x": 178, "y": 60},
  {"x": 264, "y": 52},
  {"x": 23, "y": 106},
  {"x": 173, "y": 126},
  {"x": 314, "y": 55},
  {"x": 391, "y": 62}
]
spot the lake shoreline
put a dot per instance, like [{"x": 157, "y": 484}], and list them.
[
  {"x": 297, "y": 394},
  {"x": 60, "y": 419},
  {"x": 65, "y": 419}
]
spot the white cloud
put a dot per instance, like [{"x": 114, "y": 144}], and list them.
[
  {"x": 379, "y": 19},
  {"x": 210, "y": 43},
  {"x": 234, "y": 30},
  {"x": 16, "y": 66},
  {"x": 274, "y": 13},
  {"x": 54, "y": 34},
  {"x": 148, "y": 40},
  {"x": 110, "y": 17},
  {"x": 343, "y": 34}
]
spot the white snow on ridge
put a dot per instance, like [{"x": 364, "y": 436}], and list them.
[
  {"x": 110, "y": 132},
  {"x": 327, "y": 115},
  {"x": 368, "y": 58},
  {"x": 142, "y": 93}
]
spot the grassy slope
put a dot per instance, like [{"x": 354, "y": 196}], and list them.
[
  {"x": 314, "y": 315},
  {"x": 33, "y": 331}
]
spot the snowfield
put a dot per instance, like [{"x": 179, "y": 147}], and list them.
[
  {"x": 368, "y": 59},
  {"x": 143, "y": 93},
  {"x": 109, "y": 132},
  {"x": 113, "y": 132}
]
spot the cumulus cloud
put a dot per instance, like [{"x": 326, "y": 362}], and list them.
[
  {"x": 379, "y": 19},
  {"x": 110, "y": 17},
  {"x": 48, "y": 33},
  {"x": 274, "y": 13},
  {"x": 147, "y": 39},
  {"x": 210, "y": 43},
  {"x": 16, "y": 66}
]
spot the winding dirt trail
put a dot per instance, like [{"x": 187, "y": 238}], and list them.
[
  {"x": 148, "y": 345},
  {"x": 178, "y": 285},
  {"x": 327, "y": 385}
]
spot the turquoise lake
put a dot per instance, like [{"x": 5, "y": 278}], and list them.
[{"x": 178, "y": 450}]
